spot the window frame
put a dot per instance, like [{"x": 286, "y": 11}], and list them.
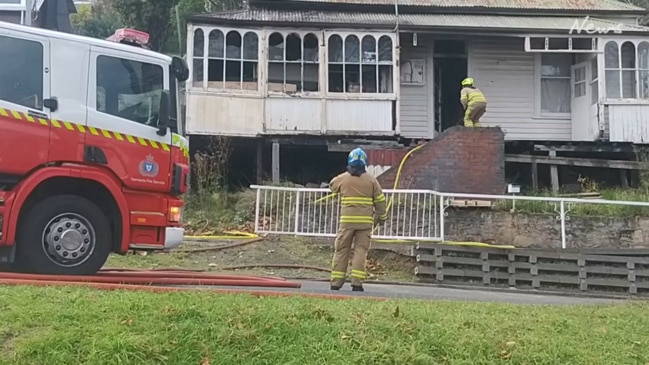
[
  {"x": 361, "y": 95},
  {"x": 20, "y": 6},
  {"x": 538, "y": 95},
  {"x": 45, "y": 77},
  {"x": 619, "y": 42},
  {"x": 207, "y": 29},
  {"x": 94, "y": 87},
  {"x": 302, "y": 33}
]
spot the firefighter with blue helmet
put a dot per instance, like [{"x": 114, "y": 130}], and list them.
[{"x": 362, "y": 205}]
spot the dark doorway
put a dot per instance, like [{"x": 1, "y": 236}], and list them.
[{"x": 450, "y": 63}]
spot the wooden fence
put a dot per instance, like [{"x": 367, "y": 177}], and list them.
[{"x": 586, "y": 271}]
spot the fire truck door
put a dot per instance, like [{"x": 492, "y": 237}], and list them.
[
  {"x": 24, "y": 102},
  {"x": 124, "y": 101}
]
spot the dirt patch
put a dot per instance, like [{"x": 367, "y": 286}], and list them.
[{"x": 300, "y": 251}]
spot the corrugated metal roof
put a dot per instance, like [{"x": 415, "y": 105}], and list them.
[
  {"x": 601, "y": 5},
  {"x": 450, "y": 21}
]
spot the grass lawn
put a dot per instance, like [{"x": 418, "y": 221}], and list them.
[{"x": 83, "y": 326}]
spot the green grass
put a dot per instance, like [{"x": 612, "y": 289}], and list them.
[{"x": 82, "y": 326}]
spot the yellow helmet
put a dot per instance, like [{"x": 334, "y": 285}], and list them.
[{"x": 467, "y": 82}]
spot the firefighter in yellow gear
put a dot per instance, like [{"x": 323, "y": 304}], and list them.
[
  {"x": 363, "y": 205},
  {"x": 474, "y": 103}
]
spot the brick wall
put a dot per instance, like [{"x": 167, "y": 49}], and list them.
[{"x": 460, "y": 160}]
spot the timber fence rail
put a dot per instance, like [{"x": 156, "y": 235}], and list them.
[
  {"x": 548, "y": 270},
  {"x": 422, "y": 215}
]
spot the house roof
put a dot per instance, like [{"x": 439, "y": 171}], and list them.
[
  {"x": 531, "y": 6},
  {"x": 466, "y": 22}
]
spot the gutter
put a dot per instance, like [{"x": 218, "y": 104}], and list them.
[
  {"x": 207, "y": 20},
  {"x": 419, "y": 9}
]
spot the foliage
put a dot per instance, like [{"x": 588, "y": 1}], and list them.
[
  {"x": 121, "y": 327},
  {"x": 99, "y": 20},
  {"x": 159, "y": 18}
]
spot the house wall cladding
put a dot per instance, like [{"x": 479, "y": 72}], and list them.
[
  {"x": 506, "y": 74},
  {"x": 460, "y": 160},
  {"x": 544, "y": 230}
]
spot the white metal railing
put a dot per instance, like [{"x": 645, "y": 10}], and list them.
[{"x": 412, "y": 214}]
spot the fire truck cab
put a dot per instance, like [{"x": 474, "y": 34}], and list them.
[{"x": 93, "y": 158}]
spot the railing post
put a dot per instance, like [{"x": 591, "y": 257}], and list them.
[
  {"x": 441, "y": 217},
  {"x": 297, "y": 211},
  {"x": 562, "y": 215},
  {"x": 257, "y": 210}
]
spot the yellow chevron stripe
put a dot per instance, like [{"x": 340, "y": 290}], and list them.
[{"x": 176, "y": 140}]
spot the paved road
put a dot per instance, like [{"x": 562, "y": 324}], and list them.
[{"x": 438, "y": 293}]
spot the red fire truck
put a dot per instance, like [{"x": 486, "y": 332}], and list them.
[{"x": 93, "y": 158}]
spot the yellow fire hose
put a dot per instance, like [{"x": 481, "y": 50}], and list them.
[{"x": 245, "y": 235}]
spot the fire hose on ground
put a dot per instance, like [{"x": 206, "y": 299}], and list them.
[{"x": 163, "y": 281}]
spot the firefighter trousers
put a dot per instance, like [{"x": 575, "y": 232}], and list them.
[
  {"x": 343, "y": 250},
  {"x": 473, "y": 114}
]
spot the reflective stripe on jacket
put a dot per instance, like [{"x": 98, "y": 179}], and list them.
[
  {"x": 469, "y": 96},
  {"x": 360, "y": 197}
]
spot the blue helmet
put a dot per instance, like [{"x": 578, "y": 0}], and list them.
[{"x": 357, "y": 157}]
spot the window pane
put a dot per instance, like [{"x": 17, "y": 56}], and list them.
[
  {"x": 250, "y": 75},
  {"x": 335, "y": 76},
  {"x": 352, "y": 78},
  {"x": 580, "y": 89},
  {"x": 311, "y": 77},
  {"x": 216, "y": 44},
  {"x": 250, "y": 46},
  {"x": 369, "y": 79},
  {"x": 311, "y": 48},
  {"x": 385, "y": 49},
  {"x": 21, "y": 72},
  {"x": 131, "y": 89},
  {"x": 276, "y": 47},
  {"x": 198, "y": 69},
  {"x": 233, "y": 45},
  {"x": 385, "y": 79},
  {"x": 556, "y": 64},
  {"x": 293, "y": 47},
  {"x": 611, "y": 55},
  {"x": 612, "y": 84},
  {"x": 644, "y": 84},
  {"x": 352, "y": 49},
  {"x": 628, "y": 55},
  {"x": 199, "y": 43},
  {"x": 293, "y": 77},
  {"x": 643, "y": 55},
  {"x": 335, "y": 49},
  {"x": 369, "y": 50},
  {"x": 594, "y": 93},
  {"x": 628, "y": 84},
  {"x": 555, "y": 96},
  {"x": 593, "y": 68}
]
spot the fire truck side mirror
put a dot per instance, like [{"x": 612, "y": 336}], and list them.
[{"x": 163, "y": 116}]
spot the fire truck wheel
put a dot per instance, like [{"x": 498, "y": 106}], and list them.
[{"x": 63, "y": 235}]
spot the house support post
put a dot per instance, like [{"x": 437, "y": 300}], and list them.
[
  {"x": 275, "y": 162},
  {"x": 259, "y": 162},
  {"x": 554, "y": 173}
]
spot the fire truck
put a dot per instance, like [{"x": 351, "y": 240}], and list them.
[{"x": 93, "y": 158}]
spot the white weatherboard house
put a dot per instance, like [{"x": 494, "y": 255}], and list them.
[{"x": 552, "y": 70}]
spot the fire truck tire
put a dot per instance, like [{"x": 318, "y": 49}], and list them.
[{"x": 63, "y": 235}]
